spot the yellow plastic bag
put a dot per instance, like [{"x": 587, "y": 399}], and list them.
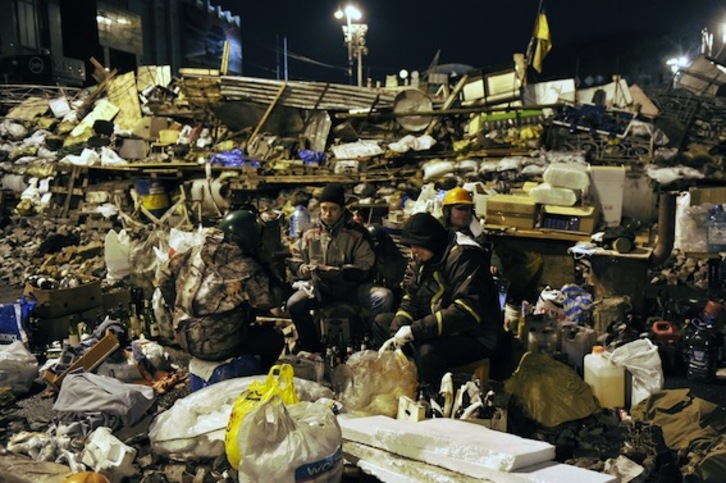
[{"x": 278, "y": 383}]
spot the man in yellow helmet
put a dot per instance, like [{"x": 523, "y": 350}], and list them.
[{"x": 458, "y": 207}]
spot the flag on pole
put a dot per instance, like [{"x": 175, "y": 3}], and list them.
[{"x": 543, "y": 41}]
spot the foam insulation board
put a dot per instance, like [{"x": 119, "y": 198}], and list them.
[
  {"x": 455, "y": 445},
  {"x": 561, "y": 473},
  {"x": 393, "y": 468}
]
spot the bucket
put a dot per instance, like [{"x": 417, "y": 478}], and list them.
[{"x": 153, "y": 196}]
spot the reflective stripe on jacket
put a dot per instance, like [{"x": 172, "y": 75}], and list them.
[{"x": 454, "y": 293}]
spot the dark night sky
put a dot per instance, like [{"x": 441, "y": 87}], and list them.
[{"x": 407, "y": 33}]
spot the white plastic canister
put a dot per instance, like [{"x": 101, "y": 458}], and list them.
[{"x": 606, "y": 379}]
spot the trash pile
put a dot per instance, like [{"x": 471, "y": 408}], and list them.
[{"x": 99, "y": 187}]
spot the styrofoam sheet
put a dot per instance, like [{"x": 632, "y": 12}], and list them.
[
  {"x": 456, "y": 445},
  {"x": 561, "y": 473}
]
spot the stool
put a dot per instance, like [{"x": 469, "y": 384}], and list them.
[{"x": 478, "y": 369}]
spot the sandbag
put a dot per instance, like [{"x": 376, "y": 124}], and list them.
[
  {"x": 277, "y": 384},
  {"x": 298, "y": 442},
  {"x": 193, "y": 428},
  {"x": 18, "y": 367},
  {"x": 568, "y": 175},
  {"x": 642, "y": 359},
  {"x": 549, "y": 392}
]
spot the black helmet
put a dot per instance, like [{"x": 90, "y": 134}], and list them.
[
  {"x": 243, "y": 227},
  {"x": 378, "y": 232}
]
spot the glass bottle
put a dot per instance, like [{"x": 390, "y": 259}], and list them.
[
  {"x": 74, "y": 339},
  {"x": 152, "y": 326}
]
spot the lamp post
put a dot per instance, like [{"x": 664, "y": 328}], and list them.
[{"x": 354, "y": 35}]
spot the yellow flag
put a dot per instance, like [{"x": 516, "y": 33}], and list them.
[{"x": 544, "y": 41}]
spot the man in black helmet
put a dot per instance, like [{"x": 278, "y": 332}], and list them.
[
  {"x": 450, "y": 309},
  {"x": 215, "y": 290}
]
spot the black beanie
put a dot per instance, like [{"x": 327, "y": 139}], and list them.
[
  {"x": 423, "y": 230},
  {"x": 334, "y": 192}
]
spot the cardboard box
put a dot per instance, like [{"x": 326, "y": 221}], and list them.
[
  {"x": 578, "y": 219},
  {"x": 59, "y": 302},
  {"x": 116, "y": 297},
  {"x": 90, "y": 360},
  {"x": 517, "y": 211},
  {"x": 715, "y": 195},
  {"x": 608, "y": 188},
  {"x": 51, "y": 329}
]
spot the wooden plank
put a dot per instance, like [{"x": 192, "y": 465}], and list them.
[
  {"x": 267, "y": 113},
  {"x": 448, "y": 103}
]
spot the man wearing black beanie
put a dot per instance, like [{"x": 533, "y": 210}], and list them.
[
  {"x": 336, "y": 254},
  {"x": 450, "y": 309}
]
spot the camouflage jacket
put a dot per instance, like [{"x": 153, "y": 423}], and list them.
[{"x": 212, "y": 290}]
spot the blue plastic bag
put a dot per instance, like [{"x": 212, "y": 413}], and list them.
[{"x": 14, "y": 320}]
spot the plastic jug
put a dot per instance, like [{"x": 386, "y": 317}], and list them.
[
  {"x": 606, "y": 379},
  {"x": 298, "y": 221},
  {"x": 106, "y": 454},
  {"x": 577, "y": 342},
  {"x": 703, "y": 346}
]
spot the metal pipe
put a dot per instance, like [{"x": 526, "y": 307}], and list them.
[{"x": 666, "y": 229}]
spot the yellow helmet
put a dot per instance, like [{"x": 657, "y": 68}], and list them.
[{"x": 458, "y": 196}]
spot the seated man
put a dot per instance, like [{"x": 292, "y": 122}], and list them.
[
  {"x": 336, "y": 255},
  {"x": 450, "y": 309},
  {"x": 214, "y": 290},
  {"x": 458, "y": 208}
]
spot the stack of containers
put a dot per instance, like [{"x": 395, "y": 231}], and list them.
[{"x": 565, "y": 185}]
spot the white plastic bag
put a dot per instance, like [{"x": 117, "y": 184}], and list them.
[
  {"x": 18, "y": 367},
  {"x": 193, "y": 428},
  {"x": 642, "y": 359},
  {"x": 116, "y": 251},
  {"x": 300, "y": 442},
  {"x": 181, "y": 241}
]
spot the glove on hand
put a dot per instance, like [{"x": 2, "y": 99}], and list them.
[{"x": 403, "y": 336}]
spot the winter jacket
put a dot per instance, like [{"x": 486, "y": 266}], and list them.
[
  {"x": 454, "y": 293},
  {"x": 346, "y": 245},
  {"x": 212, "y": 290}
]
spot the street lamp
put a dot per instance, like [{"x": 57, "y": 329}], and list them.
[{"x": 354, "y": 35}]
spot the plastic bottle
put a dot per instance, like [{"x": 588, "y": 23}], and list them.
[
  {"x": 299, "y": 219},
  {"x": 702, "y": 350},
  {"x": 606, "y": 379}
]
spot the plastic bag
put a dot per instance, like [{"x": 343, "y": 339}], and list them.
[
  {"x": 577, "y": 303},
  {"x": 551, "y": 302},
  {"x": 194, "y": 427},
  {"x": 549, "y": 392},
  {"x": 14, "y": 320},
  {"x": 372, "y": 382},
  {"x": 18, "y": 367},
  {"x": 301, "y": 442},
  {"x": 642, "y": 359},
  {"x": 278, "y": 383},
  {"x": 116, "y": 254}
]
